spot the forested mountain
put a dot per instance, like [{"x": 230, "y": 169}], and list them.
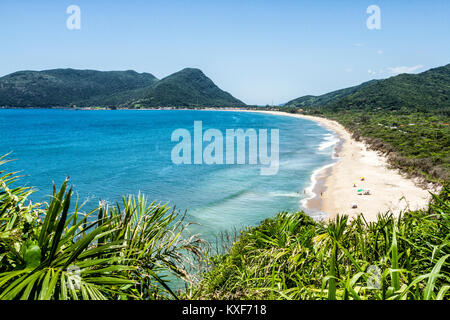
[
  {"x": 316, "y": 101},
  {"x": 86, "y": 88},
  {"x": 64, "y": 87},
  {"x": 427, "y": 91},
  {"x": 188, "y": 87}
]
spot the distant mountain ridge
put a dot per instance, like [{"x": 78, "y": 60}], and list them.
[
  {"x": 86, "y": 88},
  {"x": 429, "y": 90},
  {"x": 188, "y": 87},
  {"x": 315, "y": 101}
]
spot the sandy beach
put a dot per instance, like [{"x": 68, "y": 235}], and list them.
[{"x": 389, "y": 190}]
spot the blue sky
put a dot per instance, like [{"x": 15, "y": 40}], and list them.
[{"x": 262, "y": 52}]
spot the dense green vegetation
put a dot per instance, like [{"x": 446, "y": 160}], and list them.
[
  {"x": 319, "y": 101},
  {"x": 187, "y": 88},
  {"x": 407, "y": 117},
  {"x": 50, "y": 251},
  {"x": 425, "y": 92},
  {"x": 68, "y": 87},
  {"x": 90, "y": 88},
  {"x": 293, "y": 257}
]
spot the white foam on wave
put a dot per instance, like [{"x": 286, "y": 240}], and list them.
[
  {"x": 329, "y": 141},
  {"x": 310, "y": 194},
  {"x": 286, "y": 194}
]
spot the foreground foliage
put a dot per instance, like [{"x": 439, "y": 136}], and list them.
[
  {"x": 122, "y": 252},
  {"x": 293, "y": 257}
]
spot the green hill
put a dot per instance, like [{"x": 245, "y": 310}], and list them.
[
  {"x": 85, "y": 88},
  {"x": 188, "y": 87},
  {"x": 317, "y": 101},
  {"x": 427, "y": 91},
  {"x": 65, "y": 87}
]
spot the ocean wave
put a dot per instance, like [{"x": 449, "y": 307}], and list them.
[
  {"x": 329, "y": 141},
  {"x": 285, "y": 194},
  {"x": 310, "y": 194},
  {"x": 227, "y": 198}
]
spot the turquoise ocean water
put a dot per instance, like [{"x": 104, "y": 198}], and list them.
[{"x": 108, "y": 154}]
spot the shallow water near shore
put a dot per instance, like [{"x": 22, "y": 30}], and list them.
[{"x": 108, "y": 154}]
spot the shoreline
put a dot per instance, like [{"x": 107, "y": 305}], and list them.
[
  {"x": 390, "y": 191},
  {"x": 331, "y": 189}
]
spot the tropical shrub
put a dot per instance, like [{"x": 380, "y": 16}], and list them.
[
  {"x": 293, "y": 257},
  {"x": 119, "y": 252}
]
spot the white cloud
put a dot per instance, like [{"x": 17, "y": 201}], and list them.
[
  {"x": 375, "y": 72},
  {"x": 359, "y": 44},
  {"x": 349, "y": 70},
  {"x": 404, "y": 69},
  {"x": 380, "y": 51}
]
